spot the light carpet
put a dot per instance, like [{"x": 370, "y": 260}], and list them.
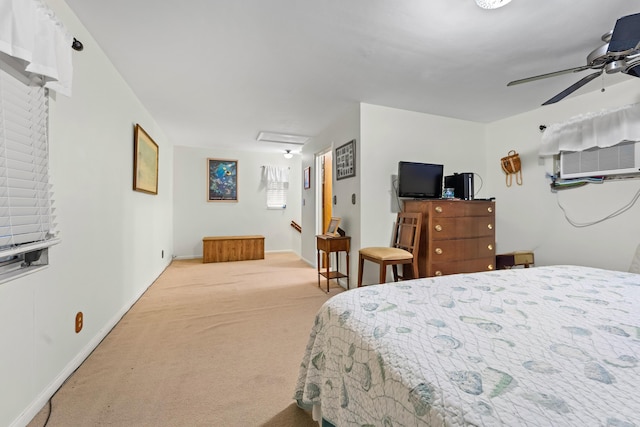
[{"x": 207, "y": 345}]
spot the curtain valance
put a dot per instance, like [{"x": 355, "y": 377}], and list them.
[
  {"x": 276, "y": 174},
  {"x": 601, "y": 129},
  {"x": 31, "y": 33}
]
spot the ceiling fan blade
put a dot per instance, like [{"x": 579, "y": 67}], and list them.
[
  {"x": 577, "y": 85},
  {"x": 544, "y": 76}
]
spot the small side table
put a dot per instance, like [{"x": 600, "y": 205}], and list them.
[
  {"x": 329, "y": 244},
  {"x": 511, "y": 259}
]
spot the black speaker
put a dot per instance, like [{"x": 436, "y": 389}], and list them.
[{"x": 462, "y": 184}]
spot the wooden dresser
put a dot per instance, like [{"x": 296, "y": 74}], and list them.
[{"x": 458, "y": 236}]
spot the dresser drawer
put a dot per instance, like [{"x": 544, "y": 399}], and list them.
[
  {"x": 461, "y": 227},
  {"x": 457, "y": 208},
  {"x": 465, "y": 266},
  {"x": 461, "y": 249},
  {"x": 457, "y": 236}
]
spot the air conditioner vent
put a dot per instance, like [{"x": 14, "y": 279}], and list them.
[{"x": 620, "y": 159}]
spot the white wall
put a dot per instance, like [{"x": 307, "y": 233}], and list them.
[
  {"x": 384, "y": 136},
  {"x": 195, "y": 217},
  {"x": 112, "y": 237},
  {"x": 528, "y": 216},
  {"x": 343, "y": 130},
  {"x": 390, "y": 135}
]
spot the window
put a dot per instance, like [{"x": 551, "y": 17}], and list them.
[
  {"x": 26, "y": 219},
  {"x": 277, "y": 179},
  {"x": 277, "y": 195}
]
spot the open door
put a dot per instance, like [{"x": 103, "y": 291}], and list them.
[
  {"x": 327, "y": 189},
  {"x": 324, "y": 192}
]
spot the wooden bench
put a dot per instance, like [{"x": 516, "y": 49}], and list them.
[{"x": 232, "y": 248}]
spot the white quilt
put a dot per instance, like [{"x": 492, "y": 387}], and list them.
[{"x": 544, "y": 346}]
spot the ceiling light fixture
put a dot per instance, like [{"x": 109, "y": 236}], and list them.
[
  {"x": 492, "y": 4},
  {"x": 288, "y": 154},
  {"x": 282, "y": 137}
]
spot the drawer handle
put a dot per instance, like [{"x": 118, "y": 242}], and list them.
[
  {"x": 490, "y": 226},
  {"x": 438, "y": 273},
  {"x": 490, "y": 247},
  {"x": 490, "y": 266},
  {"x": 439, "y": 251},
  {"x": 489, "y": 209},
  {"x": 438, "y": 227},
  {"x": 439, "y": 209}
]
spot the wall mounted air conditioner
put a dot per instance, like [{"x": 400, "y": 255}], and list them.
[{"x": 620, "y": 159}]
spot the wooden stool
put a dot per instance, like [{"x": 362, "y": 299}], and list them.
[{"x": 511, "y": 259}]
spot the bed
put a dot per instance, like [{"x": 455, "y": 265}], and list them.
[{"x": 544, "y": 346}]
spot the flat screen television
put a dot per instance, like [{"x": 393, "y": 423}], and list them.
[{"x": 420, "y": 180}]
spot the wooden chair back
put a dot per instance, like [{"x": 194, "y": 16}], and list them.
[{"x": 406, "y": 232}]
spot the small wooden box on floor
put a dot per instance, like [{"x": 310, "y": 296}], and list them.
[
  {"x": 232, "y": 248},
  {"x": 512, "y": 259}
]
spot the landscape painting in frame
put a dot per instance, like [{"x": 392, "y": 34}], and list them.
[
  {"x": 145, "y": 162},
  {"x": 222, "y": 180}
]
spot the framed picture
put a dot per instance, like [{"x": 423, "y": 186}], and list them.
[
  {"x": 332, "y": 228},
  {"x": 307, "y": 177},
  {"x": 222, "y": 180},
  {"x": 145, "y": 162},
  {"x": 346, "y": 160}
]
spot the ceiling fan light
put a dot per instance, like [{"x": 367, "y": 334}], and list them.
[{"x": 492, "y": 4}]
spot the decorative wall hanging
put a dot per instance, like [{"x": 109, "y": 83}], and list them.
[
  {"x": 511, "y": 166},
  {"x": 346, "y": 160},
  {"x": 145, "y": 162},
  {"x": 307, "y": 177},
  {"x": 222, "y": 180}
]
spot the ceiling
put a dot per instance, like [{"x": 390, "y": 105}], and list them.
[{"x": 215, "y": 73}]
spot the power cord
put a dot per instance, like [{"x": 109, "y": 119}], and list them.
[
  {"x": 475, "y": 192},
  {"x": 48, "y": 415},
  {"x": 614, "y": 214},
  {"x": 394, "y": 185}
]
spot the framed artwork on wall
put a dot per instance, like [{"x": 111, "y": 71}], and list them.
[
  {"x": 145, "y": 162},
  {"x": 346, "y": 160},
  {"x": 222, "y": 180},
  {"x": 307, "y": 177}
]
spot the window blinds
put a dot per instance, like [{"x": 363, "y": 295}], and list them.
[
  {"x": 26, "y": 213},
  {"x": 277, "y": 179}
]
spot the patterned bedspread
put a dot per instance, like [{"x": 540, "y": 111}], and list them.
[{"x": 544, "y": 346}]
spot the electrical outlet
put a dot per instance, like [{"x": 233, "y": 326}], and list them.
[{"x": 79, "y": 322}]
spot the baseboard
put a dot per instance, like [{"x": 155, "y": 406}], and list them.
[
  {"x": 36, "y": 406},
  {"x": 266, "y": 252},
  {"x": 187, "y": 256},
  {"x": 311, "y": 263}
]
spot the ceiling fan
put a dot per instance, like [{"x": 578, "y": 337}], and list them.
[{"x": 619, "y": 53}]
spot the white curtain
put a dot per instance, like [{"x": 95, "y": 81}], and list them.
[
  {"x": 31, "y": 33},
  {"x": 601, "y": 129},
  {"x": 276, "y": 174}
]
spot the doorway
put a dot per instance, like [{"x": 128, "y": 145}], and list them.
[{"x": 324, "y": 192}]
